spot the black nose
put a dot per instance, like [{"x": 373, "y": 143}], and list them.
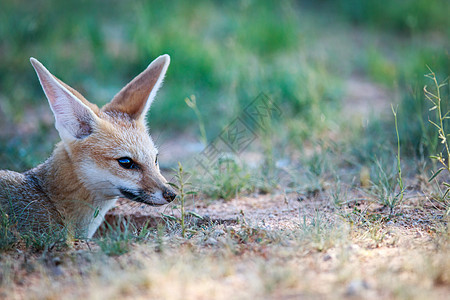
[{"x": 169, "y": 195}]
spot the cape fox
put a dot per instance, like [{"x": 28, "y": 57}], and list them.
[{"x": 104, "y": 154}]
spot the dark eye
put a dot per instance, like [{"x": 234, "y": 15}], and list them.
[
  {"x": 156, "y": 159},
  {"x": 127, "y": 163}
]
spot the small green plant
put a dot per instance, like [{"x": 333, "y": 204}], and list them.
[
  {"x": 385, "y": 188},
  {"x": 376, "y": 232},
  {"x": 388, "y": 188},
  {"x": 337, "y": 194},
  {"x": 181, "y": 188},
  {"x": 317, "y": 231},
  {"x": 399, "y": 197},
  {"x": 184, "y": 189},
  {"x": 444, "y": 156},
  {"x": 228, "y": 180}
]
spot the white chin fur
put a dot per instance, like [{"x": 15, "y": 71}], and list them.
[{"x": 158, "y": 199}]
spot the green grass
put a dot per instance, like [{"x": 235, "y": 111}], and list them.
[
  {"x": 224, "y": 54},
  {"x": 401, "y": 16},
  {"x": 52, "y": 238},
  {"x": 227, "y": 179},
  {"x": 118, "y": 239},
  {"x": 7, "y": 235}
]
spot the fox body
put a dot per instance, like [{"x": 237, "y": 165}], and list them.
[{"x": 104, "y": 154}]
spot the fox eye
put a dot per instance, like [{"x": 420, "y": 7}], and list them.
[
  {"x": 127, "y": 163},
  {"x": 156, "y": 159}
]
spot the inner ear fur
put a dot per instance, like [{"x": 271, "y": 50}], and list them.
[
  {"x": 75, "y": 117},
  {"x": 136, "y": 97},
  {"x": 77, "y": 94}
]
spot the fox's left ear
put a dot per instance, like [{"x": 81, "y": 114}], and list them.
[
  {"x": 137, "y": 96},
  {"x": 75, "y": 117}
]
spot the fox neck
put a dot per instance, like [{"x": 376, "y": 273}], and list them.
[{"x": 83, "y": 207}]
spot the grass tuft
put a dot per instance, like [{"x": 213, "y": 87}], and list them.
[
  {"x": 229, "y": 179},
  {"x": 442, "y": 157}
]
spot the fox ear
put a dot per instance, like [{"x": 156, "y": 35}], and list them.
[
  {"x": 74, "y": 115},
  {"x": 137, "y": 96}
]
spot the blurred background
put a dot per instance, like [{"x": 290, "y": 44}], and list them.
[{"x": 333, "y": 68}]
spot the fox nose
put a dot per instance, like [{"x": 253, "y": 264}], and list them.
[{"x": 169, "y": 195}]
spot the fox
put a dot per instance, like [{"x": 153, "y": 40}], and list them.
[{"x": 104, "y": 154}]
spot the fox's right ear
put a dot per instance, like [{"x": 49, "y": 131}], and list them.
[
  {"x": 137, "y": 96},
  {"x": 74, "y": 119}
]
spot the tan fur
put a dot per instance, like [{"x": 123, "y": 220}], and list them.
[{"x": 82, "y": 179}]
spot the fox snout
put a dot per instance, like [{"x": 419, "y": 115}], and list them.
[
  {"x": 157, "y": 198},
  {"x": 169, "y": 194}
]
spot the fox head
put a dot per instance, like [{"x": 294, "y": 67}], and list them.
[{"x": 110, "y": 148}]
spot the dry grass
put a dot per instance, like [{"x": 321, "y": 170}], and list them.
[{"x": 331, "y": 253}]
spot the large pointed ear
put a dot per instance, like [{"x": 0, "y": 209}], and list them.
[
  {"x": 137, "y": 96},
  {"x": 74, "y": 115}
]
